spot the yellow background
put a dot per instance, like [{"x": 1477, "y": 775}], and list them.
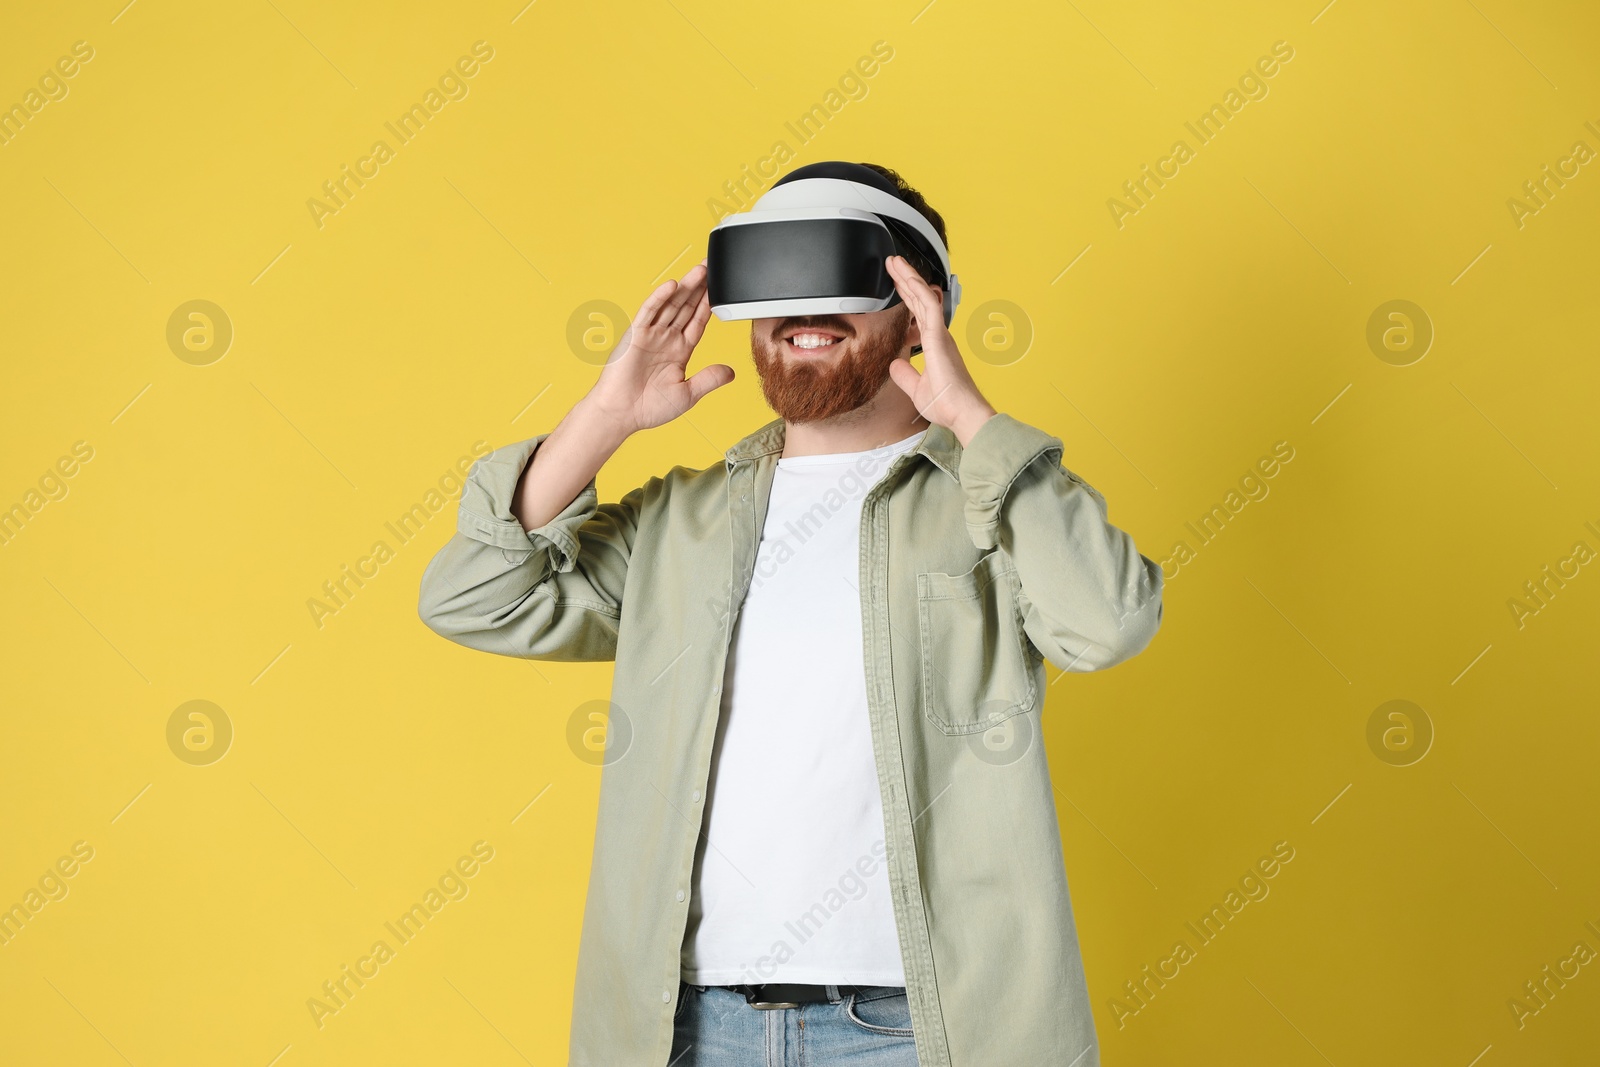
[{"x": 370, "y": 354}]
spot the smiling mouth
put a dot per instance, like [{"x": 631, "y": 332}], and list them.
[{"x": 811, "y": 342}]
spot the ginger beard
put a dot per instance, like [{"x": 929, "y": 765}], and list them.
[{"x": 845, "y": 376}]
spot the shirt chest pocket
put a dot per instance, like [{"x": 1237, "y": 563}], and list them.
[{"x": 976, "y": 670}]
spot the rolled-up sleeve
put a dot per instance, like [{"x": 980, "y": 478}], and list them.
[
  {"x": 554, "y": 592},
  {"x": 1088, "y": 598}
]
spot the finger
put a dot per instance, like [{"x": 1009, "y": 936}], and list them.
[
  {"x": 709, "y": 378},
  {"x": 680, "y": 305},
  {"x": 686, "y": 312},
  {"x": 904, "y": 272},
  {"x": 921, "y": 291},
  {"x": 691, "y": 289},
  {"x": 917, "y": 294},
  {"x": 905, "y": 376},
  {"x": 697, "y": 325},
  {"x": 905, "y": 281},
  {"x": 652, "y": 304},
  {"x": 669, "y": 307}
]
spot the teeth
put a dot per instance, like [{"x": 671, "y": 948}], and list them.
[{"x": 811, "y": 340}]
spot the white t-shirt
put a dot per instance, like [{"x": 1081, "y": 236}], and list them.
[{"x": 790, "y": 883}]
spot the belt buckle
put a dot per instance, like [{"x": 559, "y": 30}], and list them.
[{"x": 752, "y": 992}]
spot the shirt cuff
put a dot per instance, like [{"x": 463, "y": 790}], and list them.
[
  {"x": 1002, "y": 449},
  {"x": 485, "y": 513}
]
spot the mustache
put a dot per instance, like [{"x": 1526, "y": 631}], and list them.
[{"x": 813, "y": 322}]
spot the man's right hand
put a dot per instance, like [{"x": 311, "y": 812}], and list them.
[{"x": 643, "y": 384}]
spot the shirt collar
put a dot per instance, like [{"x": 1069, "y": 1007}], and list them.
[{"x": 938, "y": 443}]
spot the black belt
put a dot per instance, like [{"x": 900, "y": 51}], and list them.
[{"x": 779, "y": 995}]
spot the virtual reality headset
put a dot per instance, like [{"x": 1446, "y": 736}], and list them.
[{"x": 816, "y": 244}]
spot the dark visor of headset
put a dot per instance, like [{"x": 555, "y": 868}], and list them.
[{"x": 799, "y": 258}]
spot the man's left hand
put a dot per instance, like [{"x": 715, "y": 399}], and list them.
[{"x": 944, "y": 393}]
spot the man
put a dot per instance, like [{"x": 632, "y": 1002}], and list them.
[{"x": 832, "y": 836}]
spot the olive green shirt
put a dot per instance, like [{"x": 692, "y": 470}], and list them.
[{"x": 977, "y": 565}]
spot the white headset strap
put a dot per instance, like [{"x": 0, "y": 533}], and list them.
[{"x": 836, "y": 192}]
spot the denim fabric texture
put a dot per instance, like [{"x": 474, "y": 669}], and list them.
[{"x": 716, "y": 1027}]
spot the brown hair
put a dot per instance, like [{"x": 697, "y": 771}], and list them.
[{"x": 915, "y": 199}]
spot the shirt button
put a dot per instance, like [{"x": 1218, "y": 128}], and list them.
[
  {"x": 680, "y": 896},
  {"x": 695, "y": 796},
  {"x": 666, "y": 998}
]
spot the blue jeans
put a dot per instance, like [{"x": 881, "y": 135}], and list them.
[{"x": 716, "y": 1027}]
